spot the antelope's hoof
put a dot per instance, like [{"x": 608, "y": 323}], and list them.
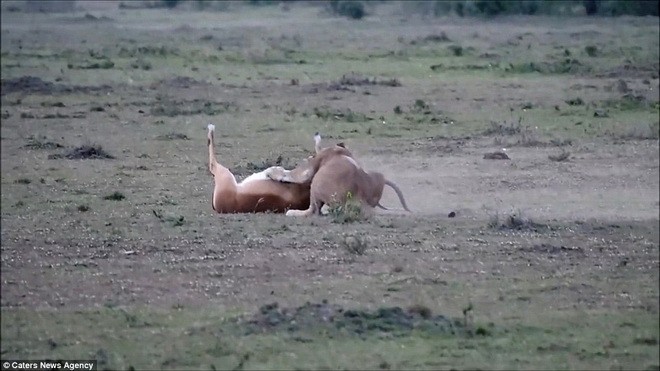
[{"x": 276, "y": 173}]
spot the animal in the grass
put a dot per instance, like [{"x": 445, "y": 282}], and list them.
[
  {"x": 335, "y": 176},
  {"x": 256, "y": 193}
]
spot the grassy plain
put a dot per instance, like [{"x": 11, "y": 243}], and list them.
[{"x": 548, "y": 264}]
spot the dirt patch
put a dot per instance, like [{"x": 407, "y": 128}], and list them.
[
  {"x": 85, "y": 152},
  {"x": 35, "y": 85},
  {"x": 334, "y": 319}
]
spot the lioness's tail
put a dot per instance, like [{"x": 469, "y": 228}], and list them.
[{"x": 398, "y": 193}]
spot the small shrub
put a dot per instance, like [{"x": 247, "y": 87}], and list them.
[
  {"x": 575, "y": 102},
  {"x": 420, "y": 106},
  {"x": 115, "y": 196},
  {"x": 456, "y": 50},
  {"x": 513, "y": 221},
  {"x": 482, "y": 331},
  {"x": 398, "y": 110},
  {"x": 563, "y": 156},
  {"x": 424, "y": 311},
  {"x": 591, "y": 50},
  {"x": 176, "y": 221},
  {"x": 354, "y": 244},
  {"x": 348, "y": 212},
  {"x": 141, "y": 64},
  {"x": 83, "y": 208}
]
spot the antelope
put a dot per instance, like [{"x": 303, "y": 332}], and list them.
[{"x": 256, "y": 193}]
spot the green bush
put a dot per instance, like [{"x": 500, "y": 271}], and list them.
[
  {"x": 465, "y": 8},
  {"x": 170, "y": 3},
  {"x": 627, "y": 7},
  {"x": 351, "y": 9}
]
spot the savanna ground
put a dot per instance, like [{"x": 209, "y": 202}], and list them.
[{"x": 551, "y": 260}]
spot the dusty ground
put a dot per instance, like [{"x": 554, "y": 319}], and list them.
[{"x": 586, "y": 241}]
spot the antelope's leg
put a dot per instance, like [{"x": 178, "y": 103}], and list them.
[{"x": 225, "y": 182}]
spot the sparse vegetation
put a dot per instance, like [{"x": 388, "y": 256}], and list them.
[
  {"x": 491, "y": 8},
  {"x": 591, "y": 50},
  {"x": 504, "y": 128},
  {"x": 347, "y": 115},
  {"x": 84, "y": 152},
  {"x": 173, "y": 220},
  {"x": 359, "y": 80},
  {"x": 348, "y": 212},
  {"x": 636, "y": 131},
  {"x": 114, "y": 196},
  {"x": 513, "y": 221},
  {"x": 103, "y": 64},
  {"x": 195, "y": 107},
  {"x": 562, "y": 66},
  {"x": 630, "y": 102}
]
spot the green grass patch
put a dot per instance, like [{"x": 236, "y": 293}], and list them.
[{"x": 209, "y": 338}]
